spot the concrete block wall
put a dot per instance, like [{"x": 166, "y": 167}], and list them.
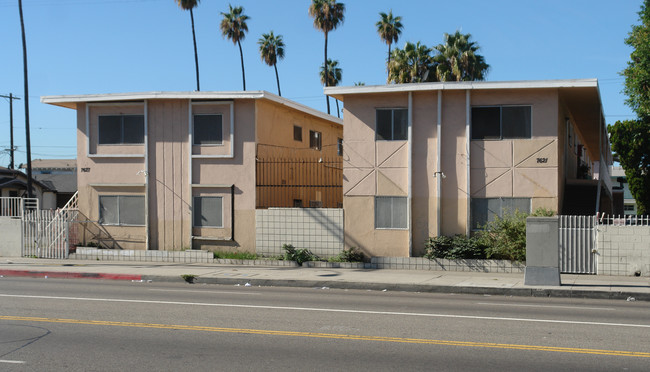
[
  {"x": 190, "y": 256},
  {"x": 438, "y": 264},
  {"x": 623, "y": 250},
  {"x": 318, "y": 229}
]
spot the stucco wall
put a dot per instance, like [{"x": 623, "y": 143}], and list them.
[{"x": 11, "y": 231}]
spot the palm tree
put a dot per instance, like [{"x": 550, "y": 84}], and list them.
[
  {"x": 272, "y": 49},
  {"x": 411, "y": 64},
  {"x": 458, "y": 60},
  {"x": 233, "y": 27},
  {"x": 327, "y": 14},
  {"x": 389, "y": 29},
  {"x": 331, "y": 73},
  {"x": 189, "y": 5}
]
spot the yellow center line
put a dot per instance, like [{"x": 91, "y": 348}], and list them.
[{"x": 333, "y": 336}]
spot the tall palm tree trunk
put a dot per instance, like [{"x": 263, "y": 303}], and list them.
[
  {"x": 196, "y": 54},
  {"x": 277, "y": 78},
  {"x": 241, "y": 55},
  {"x": 327, "y": 83},
  {"x": 26, "y": 98},
  {"x": 338, "y": 112}
]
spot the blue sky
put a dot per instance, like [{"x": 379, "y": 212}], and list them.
[{"x": 112, "y": 46}]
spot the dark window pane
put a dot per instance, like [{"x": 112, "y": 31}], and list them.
[
  {"x": 297, "y": 133},
  {"x": 208, "y": 130},
  {"x": 486, "y": 123},
  {"x": 510, "y": 205},
  {"x": 315, "y": 140},
  {"x": 479, "y": 213},
  {"x": 208, "y": 211},
  {"x": 400, "y": 125},
  {"x": 110, "y": 130},
  {"x": 384, "y": 125},
  {"x": 339, "y": 146},
  {"x": 108, "y": 210},
  {"x": 516, "y": 122},
  {"x": 133, "y": 129},
  {"x": 131, "y": 210}
]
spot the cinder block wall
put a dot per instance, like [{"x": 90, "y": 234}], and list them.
[
  {"x": 318, "y": 229},
  {"x": 623, "y": 250}
]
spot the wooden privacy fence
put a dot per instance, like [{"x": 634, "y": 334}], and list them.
[{"x": 302, "y": 183}]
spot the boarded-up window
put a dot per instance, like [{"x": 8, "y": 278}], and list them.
[{"x": 208, "y": 211}]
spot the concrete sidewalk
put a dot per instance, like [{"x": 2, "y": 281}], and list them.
[{"x": 577, "y": 286}]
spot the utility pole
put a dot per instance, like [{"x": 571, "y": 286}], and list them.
[
  {"x": 11, "y": 128},
  {"x": 27, "y": 139}
]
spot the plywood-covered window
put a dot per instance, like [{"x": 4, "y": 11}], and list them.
[
  {"x": 501, "y": 122},
  {"x": 208, "y": 129},
  {"x": 121, "y": 129},
  {"x": 208, "y": 211}
]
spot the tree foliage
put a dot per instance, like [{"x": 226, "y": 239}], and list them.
[
  {"x": 389, "y": 29},
  {"x": 631, "y": 141},
  {"x": 189, "y": 5},
  {"x": 233, "y": 27},
  {"x": 631, "y": 138},
  {"x": 455, "y": 60},
  {"x": 271, "y": 50}
]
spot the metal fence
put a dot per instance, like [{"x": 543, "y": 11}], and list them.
[
  {"x": 577, "y": 244},
  {"x": 50, "y": 233},
  {"x": 291, "y": 183},
  {"x": 627, "y": 220},
  {"x": 15, "y": 207}
]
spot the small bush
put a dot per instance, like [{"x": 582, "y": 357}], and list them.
[
  {"x": 348, "y": 255},
  {"x": 456, "y": 247},
  {"x": 236, "y": 255},
  {"x": 189, "y": 278},
  {"x": 298, "y": 255}
]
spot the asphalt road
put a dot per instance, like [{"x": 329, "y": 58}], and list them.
[{"x": 91, "y": 325}]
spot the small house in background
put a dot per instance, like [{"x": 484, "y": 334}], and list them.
[
  {"x": 13, "y": 184},
  {"x": 56, "y": 174},
  {"x": 187, "y": 170},
  {"x": 430, "y": 159}
]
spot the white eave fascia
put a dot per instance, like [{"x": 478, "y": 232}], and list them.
[
  {"x": 462, "y": 85},
  {"x": 71, "y": 101}
]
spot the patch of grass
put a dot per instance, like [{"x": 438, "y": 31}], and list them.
[
  {"x": 189, "y": 278},
  {"x": 236, "y": 255}
]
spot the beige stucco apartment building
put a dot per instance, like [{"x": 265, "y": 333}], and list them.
[
  {"x": 175, "y": 171},
  {"x": 432, "y": 159}
]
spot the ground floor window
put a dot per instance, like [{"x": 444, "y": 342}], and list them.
[
  {"x": 391, "y": 212},
  {"x": 121, "y": 210},
  {"x": 208, "y": 211},
  {"x": 484, "y": 210}
]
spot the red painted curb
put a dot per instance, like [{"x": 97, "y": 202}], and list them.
[{"x": 68, "y": 275}]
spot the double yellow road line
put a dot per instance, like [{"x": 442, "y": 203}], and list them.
[{"x": 332, "y": 336}]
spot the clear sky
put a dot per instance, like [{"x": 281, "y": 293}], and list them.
[{"x": 113, "y": 46}]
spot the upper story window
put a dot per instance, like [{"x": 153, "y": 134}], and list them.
[
  {"x": 315, "y": 140},
  {"x": 121, "y": 129},
  {"x": 392, "y": 124},
  {"x": 297, "y": 133},
  {"x": 208, "y": 129},
  {"x": 501, "y": 122}
]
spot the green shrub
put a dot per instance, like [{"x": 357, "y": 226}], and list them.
[
  {"x": 505, "y": 237},
  {"x": 298, "y": 255},
  {"x": 236, "y": 255},
  {"x": 348, "y": 255},
  {"x": 456, "y": 247},
  {"x": 189, "y": 278}
]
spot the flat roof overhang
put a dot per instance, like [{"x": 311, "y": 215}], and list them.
[{"x": 71, "y": 101}]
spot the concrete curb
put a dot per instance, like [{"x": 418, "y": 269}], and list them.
[{"x": 561, "y": 292}]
